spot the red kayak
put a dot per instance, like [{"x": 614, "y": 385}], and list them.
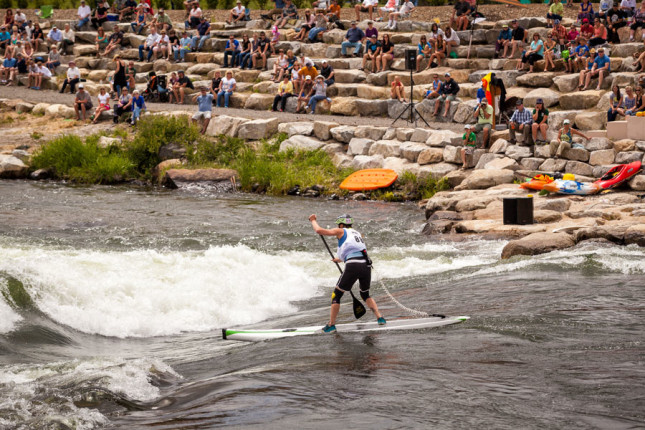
[{"x": 619, "y": 174}]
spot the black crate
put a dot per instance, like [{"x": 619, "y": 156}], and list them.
[{"x": 518, "y": 210}]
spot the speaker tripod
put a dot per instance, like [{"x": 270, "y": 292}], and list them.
[{"x": 412, "y": 118}]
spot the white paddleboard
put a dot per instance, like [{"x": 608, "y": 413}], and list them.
[{"x": 400, "y": 324}]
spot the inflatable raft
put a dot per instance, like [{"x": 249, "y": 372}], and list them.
[
  {"x": 562, "y": 186},
  {"x": 617, "y": 175},
  {"x": 537, "y": 183}
]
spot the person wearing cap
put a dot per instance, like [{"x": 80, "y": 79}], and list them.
[
  {"x": 307, "y": 70},
  {"x": 366, "y": 6},
  {"x": 521, "y": 121},
  {"x": 73, "y": 77},
  {"x": 564, "y": 141},
  {"x": 204, "y": 107},
  {"x": 353, "y": 39},
  {"x": 67, "y": 40},
  {"x": 484, "y": 116},
  {"x": 616, "y": 19},
  {"x": 19, "y": 19},
  {"x": 520, "y": 37},
  {"x": 559, "y": 32},
  {"x": 585, "y": 11},
  {"x": 601, "y": 67},
  {"x": 371, "y": 30},
  {"x": 503, "y": 40},
  {"x": 237, "y": 14},
  {"x": 447, "y": 94},
  {"x": 404, "y": 12},
  {"x": 303, "y": 94},
  {"x": 327, "y": 72},
  {"x": 586, "y": 29},
  {"x": 603, "y": 8},
  {"x": 53, "y": 58},
  {"x": 55, "y": 36},
  {"x": 203, "y": 34},
  {"x": 639, "y": 22},
  {"x": 317, "y": 94},
  {"x": 372, "y": 51},
  {"x": 469, "y": 142},
  {"x": 540, "y": 122},
  {"x": 556, "y": 10},
  {"x": 162, "y": 21},
  {"x": 84, "y": 13},
  {"x": 194, "y": 16},
  {"x": 5, "y": 37},
  {"x": 82, "y": 103},
  {"x": 572, "y": 34}
]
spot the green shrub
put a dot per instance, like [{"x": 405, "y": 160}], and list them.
[
  {"x": 212, "y": 4},
  {"x": 177, "y": 4},
  {"x": 6, "y": 4},
  {"x": 262, "y": 4},
  {"x": 421, "y": 188},
  {"x": 221, "y": 152},
  {"x": 227, "y": 4},
  {"x": 22, "y": 4}
]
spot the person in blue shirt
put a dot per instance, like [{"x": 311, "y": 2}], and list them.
[
  {"x": 8, "y": 69},
  {"x": 5, "y": 37},
  {"x": 424, "y": 50},
  {"x": 231, "y": 49},
  {"x": 205, "y": 105},
  {"x": 353, "y": 39},
  {"x": 138, "y": 105},
  {"x": 580, "y": 54},
  {"x": 503, "y": 40},
  {"x": 204, "y": 33},
  {"x": 601, "y": 68}
]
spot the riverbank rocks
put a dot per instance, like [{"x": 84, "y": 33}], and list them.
[
  {"x": 12, "y": 167},
  {"x": 537, "y": 243},
  {"x": 175, "y": 177},
  {"x": 258, "y": 129},
  {"x": 300, "y": 142},
  {"x": 486, "y": 178}
]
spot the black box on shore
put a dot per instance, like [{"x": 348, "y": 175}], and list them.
[{"x": 518, "y": 210}]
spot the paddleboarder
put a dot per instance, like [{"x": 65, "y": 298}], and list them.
[{"x": 353, "y": 252}]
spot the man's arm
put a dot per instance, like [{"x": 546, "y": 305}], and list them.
[{"x": 338, "y": 232}]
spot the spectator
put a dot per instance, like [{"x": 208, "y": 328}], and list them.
[
  {"x": 244, "y": 56},
  {"x": 469, "y": 141},
  {"x": 367, "y": 6},
  {"x": 435, "y": 31},
  {"x": 104, "y": 105},
  {"x": 540, "y": 122},
  {"x": 19, "y": 19},
  {"x": 551, "y": 52},
  {"x": 586, "y": 11},
  {"x": 559, "y": 32},
  {"x": 73, "y": 78},
  {"x": 37, "y": 36},
  {"x": 138, "y": 105},
  {"x": 435, "y": 88},
  {"x": 587, "y": 29},
  {"x": 305, "y": 90},
  {"x": 579, "y": 56},
  {"x": 604, "y": 7},
  {"x": 231, "y": 49},
  {"x": 439, "y": 53},
  {"x": 318, "y": 93},
  {"x": 289, "y": 12},
  {"x": 370, "y": 30},
  {"x": 120, "y": 79},
  {"x": 424, "y": 50},
  {"x": 503, "y": 40},
  {"x": 100, "y": 41},
  {"x": 307, "y": 25},
  {"x": 307, "y": 70},
  {"x": 114, "y": 42},
  {"x": 38, "y": 73},
  {"x": 237, "y": 14},
  {"x": 397, "y": 92},
  {"x": 194, "y": 17},
  {"x": 54, "y": 37},
  {"x": 53, "y": 58},
  {"x": 572, "y": 35},
  {"x": 451, "y": 40},
  {"x": 615, "y": 102},
  {"x": 174, "y": 43},
  {"x": 261, "y": 52},
  {"x": 215, "y": 83},
  {"x": 320, "y": 26},
  {"x": 640, "y": 100},
  {"x": 129, "y": 8},
  {"x": 275, "y": 39},
  {"x": 628, "y": 7},
  {"x": 5, "y": 37},
  {"x": 204, "y": 108},
  {"x": 27, "y": 50},
  {"x": 21, "y": 64},
  {"x": 173, "y": 83},
  {"x": 639, "y": 22},
  {"x": 534, "y": 54},
  {"x": 353, "y": 39},
  {"x": 188, "y": 5},
  {"x": 630, "y": 106},
  {"x": 203, "y": 34},
  {"x": 162, "y": 21},
  {"x": 130, "y": 75},
  {"x": 521, "y": 121},
  {"x": 84, "y": 13},
  {"x": 8, "y": 70},
  {"x": 600, "y": 34},
  {"x": 164, "y": 45},
  {"x": 277, "y": 10},
  {"x": 519, "y": 38},
  {"x": 556, "y": 10},
  {"x": 601, "y": 67},
  {"x": 615, "y": 20},
  {"x": 460, "y": 14},
  {"x": 179, "y": 90},
  {"x": 333, "y": 15},
  {"x": 279, "y": 66},
  {"x": 327, "y": 72},
  {"x": 319, "y": 5},
  {"x": 150, "y": 45},
  {"x": 447, "y": 94},
  {"x": 295, "y": 77},
  {"x": 185, "y": 45},
  {"x": 123, "y": 105},
  {"x": 285, "y": 90},
  {"x": 372, "y": 51},
  {"x": 227, "y": 86},
  {"x": 390, "y": 6},
  {"x": 101, "y": 14},
  {"x": 139, "y": 20},
  {"x": 484, "y": 116},
  {"x": 82, "y": 103},
  {"x": 9, "y": 18},
  {"x": 387, "y": 54},
  {"x": 404, "y": 13},
  {"x": 68, "y": 38},
  {"x": 565, "y": 138}
]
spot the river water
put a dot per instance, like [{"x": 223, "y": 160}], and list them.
[{"x": 113, "y": 299}]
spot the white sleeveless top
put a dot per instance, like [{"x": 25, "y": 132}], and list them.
[{"x": 350, "y": 245}]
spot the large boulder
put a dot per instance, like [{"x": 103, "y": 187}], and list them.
[
  {"x": 624, "y": 145},
  {"x": 576, "y": 154},
  {"x": 226, "y": 125},
  {"x": 359, "y": 146},
  {"x": 635, "y": 235},
  {"x": 322, "y": 129},
  {"x": 637, "y": 183},
  {"x": 361, "y": 162},
  {"x": 441, "y": 138},
  {"x": 623, "y": 50},
  {"x": 370, "y": 132},
  {"x": 628, "y": 157},
  {"x": 486, "y": 178},
  {"x": 452, "y": 154},
  {"x": 502, "y": 164},
  {"x": 399, "y": 165},
  {"x": 537, "y": 243},
  {"x": 591, "y": 120},
  {"x": 344, "y": 106},
  {"x": 598, "y": 143},
  {"x": 174, "y": 177},
  {"x": 258, "y": 101},
  {"x": 578, "y": 168},
  {"x": 435, "y": 171},
  {"x": 602, "y": 157},
  {"x": 386, "y": 148},
  {"x": 430, "y": 156},
  {"x": 536, "y": 80},
  {"x": 549, "y": 97},
  {"x": 551, "y": 165},
  {"x": 517, "y": 152},
  {"x": 566, "y": 83},
  {"x": 465, "y": 111},
  {"x": 349, "y": 76},
  {"x": 258, "y": 129},
  {"x": 12, "y": 167},
  {"x": 580, "y": 100},
  {"x": 411, "y": 151},
  {"x": 303, "y": 143},
  {"x": 343, "y": 133}
]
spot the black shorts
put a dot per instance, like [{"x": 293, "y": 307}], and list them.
[{"x": 355, "y": 270}]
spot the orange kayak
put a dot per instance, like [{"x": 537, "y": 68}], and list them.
[{"x": 537, "y": 183}]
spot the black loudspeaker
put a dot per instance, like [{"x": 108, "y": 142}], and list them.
[
  {"x": 518, "y": 210},
  {"x": 410, "y": 59}
]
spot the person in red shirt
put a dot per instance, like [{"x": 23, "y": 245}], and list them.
[{"x": 587, "y": 29}]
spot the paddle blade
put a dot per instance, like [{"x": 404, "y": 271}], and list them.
[{"x": 359, "y": 309}]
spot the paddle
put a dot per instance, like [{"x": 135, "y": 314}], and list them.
[{"x": 359, "y": 309}]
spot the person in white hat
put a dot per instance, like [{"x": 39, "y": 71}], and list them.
[
  {"x": 565, "y": 139},
  {"x": 303, "y": 94},
  {"x": 237, "y": 14},
  {"x": 73, "y": 78}
]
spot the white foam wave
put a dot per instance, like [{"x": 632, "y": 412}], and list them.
[{"x": 8, "y": 317}]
